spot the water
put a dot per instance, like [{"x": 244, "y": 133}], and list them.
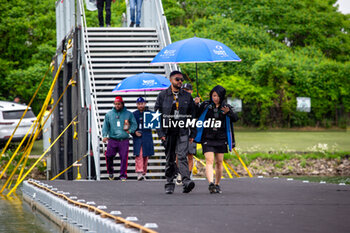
[{"x": 16, "y": 216}]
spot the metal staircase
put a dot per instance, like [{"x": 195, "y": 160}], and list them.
[
  {"x": 115, "y": 54},
  {"x": 101, "y": 58}
]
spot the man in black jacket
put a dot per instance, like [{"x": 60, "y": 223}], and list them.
[{"x": 176, "y": 106}]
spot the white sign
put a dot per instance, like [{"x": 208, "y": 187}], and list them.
[
  {"x": 235, "y": 103},
  {"x": 304, "y": 104}
]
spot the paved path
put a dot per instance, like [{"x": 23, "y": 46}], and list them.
[{"x": 246, "y": 205}]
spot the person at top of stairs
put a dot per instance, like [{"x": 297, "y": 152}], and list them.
[
  {"x": 100, "y": 6},
  {"x": 135, "y": 5},
  {"x": 117, "y": 125},
  {"x": 143, "y": 141}
]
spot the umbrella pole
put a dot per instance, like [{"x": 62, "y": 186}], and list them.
[{"x": 197, "y": 79}]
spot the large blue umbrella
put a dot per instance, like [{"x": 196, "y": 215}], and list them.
[
  {"x": 143, "y": 82},
  {"x": 195, "y": 50}
]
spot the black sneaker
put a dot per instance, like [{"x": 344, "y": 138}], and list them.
[
  {"x": 111, "y": 177},
  {"x": 169, "y": 188},
  {"x": 212, "y": 188},
  {"x": 218, "y": 189},
  {"x": 188, "y": 186},
  {"x": 137, "y": 25},
  {"x": 132, "y": 24}
]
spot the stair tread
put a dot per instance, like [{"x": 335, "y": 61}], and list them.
[
  {"x": 124, "y": 44},
  {"x": 128, "y": 39},
  {"x": 117, "y": 64},
  {"x": 116, "y": 59},
  {"x": 123, "y": 33},
  {"x": 123, "y": 54},
  {"x": 128, "y": 29}
]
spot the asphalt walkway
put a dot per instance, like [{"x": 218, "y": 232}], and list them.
[{"x": 246, "y": 205}]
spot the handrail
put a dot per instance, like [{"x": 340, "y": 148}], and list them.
[
  {"x": 91, "y": 78},
  {"x": 162, "y": 25}
]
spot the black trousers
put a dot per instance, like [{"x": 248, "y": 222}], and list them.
[
  {"x": 100, "y": 6},
  {"x": 179, "y": 144}
]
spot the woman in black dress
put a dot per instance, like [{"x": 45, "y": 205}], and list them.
[{"x": 215, "y": 140}]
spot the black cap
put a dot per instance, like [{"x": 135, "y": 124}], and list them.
[{"x": 187, "y": 86}]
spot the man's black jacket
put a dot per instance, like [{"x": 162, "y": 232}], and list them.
[{"x": 186, "y": 107}]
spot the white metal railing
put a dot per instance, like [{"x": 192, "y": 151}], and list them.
[
  {"x": 153, "y": 16},
  {"x": 95, "y": 124}
]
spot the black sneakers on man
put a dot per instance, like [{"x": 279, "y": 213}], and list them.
[
  {"x": 169, "y": 188},
  {"x": 188, "y": 186}
]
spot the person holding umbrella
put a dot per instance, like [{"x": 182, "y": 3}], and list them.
[
  {"x": 215, "y": 140},
  {"x": 175, "y": 105},
  {"x": 117, "y": 125},
  {"x": 143, "y": 141}
]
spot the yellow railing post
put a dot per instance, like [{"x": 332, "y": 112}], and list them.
[
  {"x": 245, "y": 167},
  {"x": 39, "y": 159}
]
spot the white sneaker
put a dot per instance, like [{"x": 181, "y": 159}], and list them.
[
  {"x": 178, "y": 179},
  {"x": 139, "y": 176},
  {"x": 144, "y": 177}
]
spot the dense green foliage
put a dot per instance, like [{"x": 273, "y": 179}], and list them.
[
  {"x": 288, "y": 49},
  {"x": 28, "y": 43}
]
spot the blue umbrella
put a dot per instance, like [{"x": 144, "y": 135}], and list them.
[
  {"x": 195, "y": 50},
  {"x": 143, "y": 82}
]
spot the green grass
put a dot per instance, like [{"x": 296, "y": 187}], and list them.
[
  {"x": 37, "y": 148},
  {"x": 292, "y": 141},
  {"x": 331, "y": 179},
  {"x": 249, "y": 157}
]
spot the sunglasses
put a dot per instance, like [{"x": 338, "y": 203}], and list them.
[{"x": 179, "y": 79}]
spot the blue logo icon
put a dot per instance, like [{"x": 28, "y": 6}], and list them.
[{"x": 151, "y": 120}]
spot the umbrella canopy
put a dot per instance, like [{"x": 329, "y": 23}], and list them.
[
  {"x": 195, "y": 50},
  {"x": 143, "y": 82}
]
